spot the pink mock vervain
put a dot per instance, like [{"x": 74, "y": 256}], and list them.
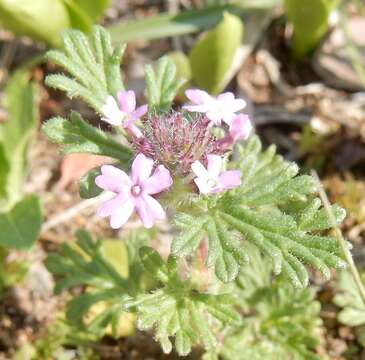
[
  {"x": 212, "y": 179},
  {"x": 125, "y": 113},
  {"x": 133, "y": 193},
  {"x": 222, "y": 108}
]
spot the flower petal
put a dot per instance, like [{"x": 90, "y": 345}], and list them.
[
  {"x": 122, "y": 214},
  {"x": 111, "y": 112},
  {"x": 141, "y": 169},
  {"x": 109, "y": 207},
  {"x": 159, "y": 181},
  {"x": 226, "y": 97},
  {"x": 127, "y": 101},
  {"x": 237, "y": 105},
  {"x": 203, "y": 185},
  {"x": 197, "y": 108},
  {"x": 215, "y": 116},
  {"x": 199, "y": 170},
  {"x": 198, "y": 96},
  {"x": 240, "y": 127},
  {"x": 215, "y": 163},
  {"x": 230, "y": 179},
  {"x": 139, "y": 112},
  {"x": 133, "y": 130},
  {"x": 149, "y": 210},
  {"x": 113, "y": 179}
]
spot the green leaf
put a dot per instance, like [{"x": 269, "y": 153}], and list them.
[
  {"x": 87, "y": 187},
  {"x": 94, "y": 8},
  {"x": 88, "y": 263},
  {"x": 78, "y": 136},
  {"x": 40, "y": 19},
  {"x": 183, "y": 68},
  {"x": 45, "y": 20},
  {"x": 274, "y": 209},
  {"x": 93, "y": 64},
  {"x": 186, "y": 22},
  {"x": 310, "y": 22},
  {"x": 21, "y": 102},
  {"x": 115, "y": 252},
  {"x": 4, "y": 172},
  {"x": 162, "y": 84},
  {"x": 281, "y": 322},
  {"x": 212, "y": 56},
  {"x": 349, "y": 299},
  {"x": 20, "y": 226},
  {"x": 177, "y": 310}
]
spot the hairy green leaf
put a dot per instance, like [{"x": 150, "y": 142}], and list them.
[
  {"x": 349, "y": 299},
  {"x": 93, "y": 65},
  {"x": 177, "y": 310},
  {"x": 77, "y": 136},
  {"x": 162, "y": 84},
  {"x": 264, "y": 211}
]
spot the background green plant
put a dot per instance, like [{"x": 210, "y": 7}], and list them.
[
  {"x": 45, "y": 20},
  {"x": 310, "y": 22},
  {"x": 20, "y": 214}
]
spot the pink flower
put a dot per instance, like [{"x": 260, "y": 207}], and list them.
[
  {"x": 125, "y": 113},
  {"x": 212, "y": 179},
  {"x": 239, "y": 129},
  {"x": 222, "y": 108},
  {"x": 133, "y": 193}
]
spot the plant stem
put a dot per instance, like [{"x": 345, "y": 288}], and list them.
[{"x": 338, "y": 233}]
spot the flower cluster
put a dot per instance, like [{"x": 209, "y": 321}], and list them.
[{"x": 180, "y": 144}]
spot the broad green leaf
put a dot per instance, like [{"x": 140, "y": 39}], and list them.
[
  {"x": 94, "y": 8},
  {"x": 115, "y": 252},
  {"x": 310, "y": 22},
  {"x": 21, "y": 225},
  {"x": 44, "y": 20},
  {"x": 4, "y": 172},
  {"x": 83, "y": 13},
  {"x": 79, "y": 19},
  {"x": 40, "y": 19},
  {"x": 186, "y": 22},
  {"x": 21, "y": 102},
  {"x": 212, "y": 56}
]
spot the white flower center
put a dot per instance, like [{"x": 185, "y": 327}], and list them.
[
  {"x": 212, "y": 183},
  {"x": 136, "y": 190}
]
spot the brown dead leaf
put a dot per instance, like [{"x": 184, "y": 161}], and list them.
[{"x": 73, "y": 166}]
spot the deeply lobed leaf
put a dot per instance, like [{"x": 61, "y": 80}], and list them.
[
  {"x": 162, "y": 84},
  {"x": 77, "y": 136},
  {"x": 93, "y": 64},
  {"x": 177, "y": 310},
  {"x": 275, "y": 210}
]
